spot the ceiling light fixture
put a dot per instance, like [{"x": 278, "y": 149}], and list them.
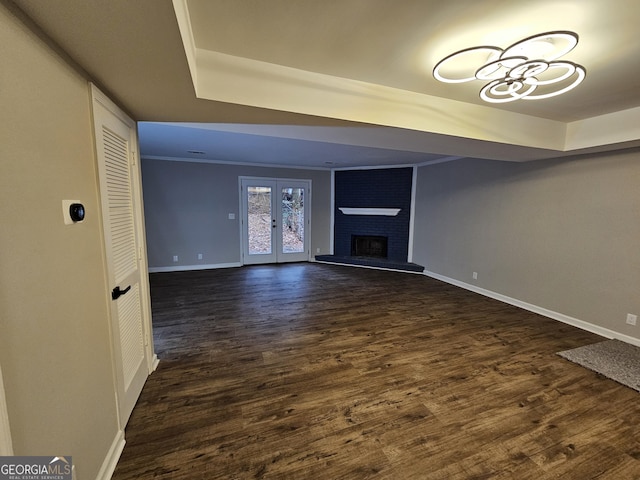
[{"x": 527, "y": 70}]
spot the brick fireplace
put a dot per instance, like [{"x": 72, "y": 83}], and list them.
[
  {"x": 388, "y": 188},
  {"x": 372, "y": 215}
]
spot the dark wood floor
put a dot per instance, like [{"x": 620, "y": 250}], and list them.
[{"x": 309, "y": 371}]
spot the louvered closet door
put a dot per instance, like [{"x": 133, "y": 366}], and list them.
[{"x": 115, "y": 140}]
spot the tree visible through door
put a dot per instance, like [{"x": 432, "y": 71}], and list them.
[
  {"x": 292, "y": 220},
  {"x": 259, "y": 220}
]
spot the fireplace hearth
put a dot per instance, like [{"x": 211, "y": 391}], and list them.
[{"x": 372, "y": 246}]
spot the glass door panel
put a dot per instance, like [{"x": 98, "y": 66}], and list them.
[
  {"x": 292, "y": 207},
  {"x": 294, "y": 226},
  {"x": 259, "y": 220}
]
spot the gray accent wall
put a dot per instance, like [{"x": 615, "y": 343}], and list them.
[
  {"x": 187, "y": 207},
  {"x": 563, "y": 235}
]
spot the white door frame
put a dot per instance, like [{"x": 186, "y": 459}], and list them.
[
  {"x": 276, "y": 256},
  {"x": 6, "y": 445}
]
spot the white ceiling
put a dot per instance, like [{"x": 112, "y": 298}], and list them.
[
  {"x": 398, "y": 43},
  {"x": 346, "y": 83}
]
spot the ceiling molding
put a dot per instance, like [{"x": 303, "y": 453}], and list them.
[
  {"x": 618, "y": 128},
  {"x": 234, "y": 163},
  {"x": 233, "y": 79}
]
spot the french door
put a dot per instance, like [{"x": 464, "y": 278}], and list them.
[{"x": 275, "y": 220}]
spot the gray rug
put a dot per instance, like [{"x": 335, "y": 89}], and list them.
[{"x": 614, "y": 359}]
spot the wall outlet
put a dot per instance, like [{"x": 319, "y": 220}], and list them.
[
  {"x": 631, "y": 319},
  {"x": 232, "y": 216},
  {"x": 317, "y": 250},
  {"x": 175, "y": 258},
  {"x": 475, "y": 275},
  {"x": 199, "y": 256}
]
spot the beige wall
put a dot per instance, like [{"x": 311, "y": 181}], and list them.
[
  {"x": 54, "y": 342},
  {"x": 563, "y": 235},
  {"x": 187, "y": 206}
]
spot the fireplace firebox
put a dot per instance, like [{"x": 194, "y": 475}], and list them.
[{"x": 369, "y": 246}]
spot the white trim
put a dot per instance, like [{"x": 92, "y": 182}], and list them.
[
  {"x": 227, "y": 162},
  {"x": 188, "y": 268},
  {"x": 181, "y": 10},
  {"x": 374, "y": 167},
  {"x": 412, "y": 213},
  {"x": 106, "y": 102},
  {"x": 6, "y": 445},
  {"x": 387, "y": 212},
  {"x": 561, "y": 317},
  {"x": 111, "y": 460},
  {"x": 240, "y": 219},
  {"x": 439, "y": 160},
  {"x": 155, "y": 361},
  {"x": 213, "y": 161},
  {"x": 232, "y": 79},
  {"x": 332, "y": 217}
]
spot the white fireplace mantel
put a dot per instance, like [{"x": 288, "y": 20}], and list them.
[{"x": 387, "y": 212}]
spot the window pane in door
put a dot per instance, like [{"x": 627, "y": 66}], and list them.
[
  {"x": 292, "y": 220},
  {"x": 260, "y": 218}
]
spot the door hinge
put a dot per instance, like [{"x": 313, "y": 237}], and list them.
[
  {"x": 139, "y": 253},
  {"x": 133, "y": 158}
]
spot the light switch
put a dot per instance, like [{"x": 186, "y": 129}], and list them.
[{"x": 232, "y": 216}]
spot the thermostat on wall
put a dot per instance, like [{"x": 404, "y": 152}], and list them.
[{"x": 72, "y": 211}]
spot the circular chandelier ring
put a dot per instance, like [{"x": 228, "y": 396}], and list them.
[
  {"x": 569, "y": 67},
  {"x": 509, "y": 96},
  {"x": 519, "y": 48},
  {"x": 492, "y": 53},
  {"x": 580, "y": 73}
]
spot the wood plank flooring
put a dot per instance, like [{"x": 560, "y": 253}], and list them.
[{"x": 310, "y": 371}]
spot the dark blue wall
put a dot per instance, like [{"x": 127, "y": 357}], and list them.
[{"x": 380, "y": 188}]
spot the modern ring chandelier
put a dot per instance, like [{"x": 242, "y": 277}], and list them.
[{"x": 527, "y": 70}]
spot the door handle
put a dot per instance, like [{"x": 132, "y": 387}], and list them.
[{"x": 117, "y": 293}]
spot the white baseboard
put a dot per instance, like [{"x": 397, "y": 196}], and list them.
[
  {"x": 155, "y": 361},
  {"x": 111, "y": 460},
  {"x": 589, "y": 327},
  {"x": 188, "y": 268},
  {"x": 6, "y": 446}
]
